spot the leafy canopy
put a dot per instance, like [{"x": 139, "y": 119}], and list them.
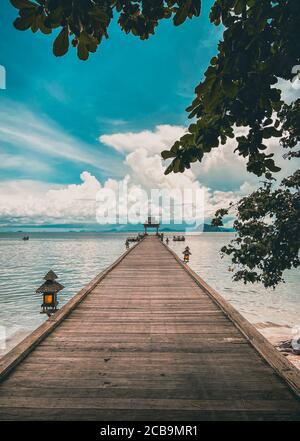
[
  {"x": 87, "y": 21},
  {"x": 261, "y": 44},
  {"x": 268, "y": 230}
]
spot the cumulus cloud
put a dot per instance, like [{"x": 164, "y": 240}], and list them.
[
  {"x": 27, "y": 201},
  {"x": 222, "y": 169},
  {"x": 153, "y": 141},
  {"x": 146, "y": 168},
  {"x": 289, "y": 91},
  {"x": 222, "y": 178},
  {"x": 222, "y": 174},
  {"x": 225, "y": 169},
  {"x": 32, "y": 202}
]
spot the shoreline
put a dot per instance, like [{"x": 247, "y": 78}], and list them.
[
  {"x": 277, "y": 334},
  {"x": 13, "y": 340}
]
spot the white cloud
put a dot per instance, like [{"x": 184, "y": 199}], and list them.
[
  {"x": 55, "y": 90},
  {"x": 222, "y": 173},
  {"x": 112, "y": 121},
  {"x": 289, "y": 93},
  {"x": 34, "y": 202},
  {"x": 142, "y": 156},
  {"x": 222, "y": 177},
  {"x": 23, "y": 129},
  {"x": 37, "y": 202},
  {"x": 20, "y": 162},
  {"x": 153, "y": 141},
  {"x": 222, "y": 168},
  {"x": 225, "y": 169}
]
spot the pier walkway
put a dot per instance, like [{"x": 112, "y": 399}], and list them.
[{"x": 147, "y": 340}]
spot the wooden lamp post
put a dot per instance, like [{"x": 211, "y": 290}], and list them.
[
  {"x": 186, "y": 255},
  {"x": 49, "y": 289}
]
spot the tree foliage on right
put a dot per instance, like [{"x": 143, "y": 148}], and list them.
[
  {"x": 267, "y": 221},
  {"x": 260, "y": 45}
]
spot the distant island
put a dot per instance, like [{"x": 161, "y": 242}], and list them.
[{"x": 96, "y": 228}]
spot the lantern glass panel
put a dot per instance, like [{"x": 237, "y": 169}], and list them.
[{"x": 48, "y": 299}]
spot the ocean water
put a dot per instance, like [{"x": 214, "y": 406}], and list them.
[
  {"x": 78, "y": 257},
  {"x": 75, "y": 257},
  {"x": 258, "y": 304}
]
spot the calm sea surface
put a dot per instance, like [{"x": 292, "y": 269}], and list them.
[{"x": 78, "y": 257}]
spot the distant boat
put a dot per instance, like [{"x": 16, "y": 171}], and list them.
[
  {"x": 26, "y": 238},
  {"x": 133, "y": 239},
  {"x": 178, "y": 238}
]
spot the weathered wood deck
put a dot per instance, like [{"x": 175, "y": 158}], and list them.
[{"x": 146, "y": 342}]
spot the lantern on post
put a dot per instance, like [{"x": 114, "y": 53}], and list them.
[
  {"x": 186, "y": 255},
  {"x": 49, "y": 289}
]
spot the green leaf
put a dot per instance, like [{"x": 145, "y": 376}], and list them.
[
  {"x": 239, "y": 6},
  {"x": 24, "y": 23},
  {"x": 82, "y": 51},
  {"x": 169, "y": 169},
  {"x": 61, "y": 43},
  {"x": 89, "y": 41},
  {"x": 167, "y": 154},
  {"x": 214, "y": 61},
  {"x": 35, "y": 25},
  {"x": 182, "y": 13},
  {"x": 197, "y": 7},
  {"x": 270, "y": 132},
  {"x": 177, "y": 165},
  {"x": 42, "y": 26},
  {"x": 270, "y": 164}
]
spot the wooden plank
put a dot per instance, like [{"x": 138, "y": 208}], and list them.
[
  {"x": 146, "y": 391},
  {"x": 151, "y": 404},
  {"x": 63, "y": 414}
]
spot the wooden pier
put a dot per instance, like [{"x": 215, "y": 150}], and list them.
[{"x": 147, "y": 340}]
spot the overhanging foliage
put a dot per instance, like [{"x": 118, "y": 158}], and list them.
[{"x": 86, "y": 22}]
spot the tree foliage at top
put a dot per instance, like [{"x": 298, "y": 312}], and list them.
[{"x": 87, "y": 21}]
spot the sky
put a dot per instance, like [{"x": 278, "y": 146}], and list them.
[{"x": 69, "y": 128}]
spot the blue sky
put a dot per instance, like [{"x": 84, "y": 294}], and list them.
[
  {"x": 68, "y": 128},
  {"x": 127, "y": 85}
]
